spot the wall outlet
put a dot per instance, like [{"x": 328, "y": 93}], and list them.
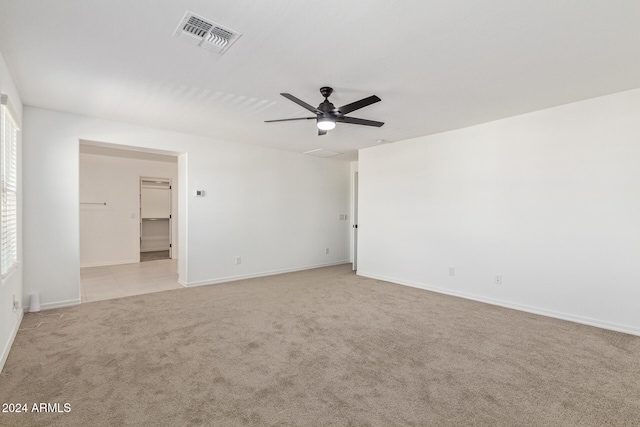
[
  {"x": 16, "y": 303},
  {"x": 326, "y": 251},
  {"x": 238, "y": 260},
  {"x": 452, "y": 271},
  {"x": 498, "y": 279}
]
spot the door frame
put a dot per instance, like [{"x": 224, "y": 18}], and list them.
[{"x": 355, "y": 221}]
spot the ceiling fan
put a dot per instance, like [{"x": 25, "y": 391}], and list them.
[{"x": 326, "y": 115}]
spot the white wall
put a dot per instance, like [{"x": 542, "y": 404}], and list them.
[
  {"x": 12, "y": 284},
  {"x": 110, "y": 234},
  {"x": 549, "y": 200},
  {"x": 277, "y": 210}
]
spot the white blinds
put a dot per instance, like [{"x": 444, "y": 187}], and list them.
[{"x": 8, "y": 161}]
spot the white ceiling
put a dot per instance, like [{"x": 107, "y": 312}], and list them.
[{"x": 437, "y": 64}]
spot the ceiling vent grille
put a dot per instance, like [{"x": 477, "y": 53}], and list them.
[
  {"x": 321, "y": 152},
  {"x": 205, "y": 33}
]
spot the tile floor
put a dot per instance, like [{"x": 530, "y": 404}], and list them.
[
  {"x": 115, "y": 281},
  {"x": 153, "y": 256}
]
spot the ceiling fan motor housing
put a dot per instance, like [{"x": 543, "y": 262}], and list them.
[{"x": 327, "y": 108}]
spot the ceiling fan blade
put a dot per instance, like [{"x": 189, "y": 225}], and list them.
[
  {"x": 301, "y": 103},
  {"x": 345, "y": 109},
  {"x": 287, "y": 120},
  {"x": 321, "y": 132},
  {"x": 356, "y": 121}
]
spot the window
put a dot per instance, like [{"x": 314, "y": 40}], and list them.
[{"x": 8, "y": 161}]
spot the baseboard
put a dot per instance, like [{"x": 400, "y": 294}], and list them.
[
  {"x": 129, "y": 261},
  {"x": 9, "y": 343},
  {"x": 515, "y": 306},
  {"x": 59, "y": 304},
  {"x": 260, "y": 274}
]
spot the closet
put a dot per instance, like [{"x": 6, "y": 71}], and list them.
[{"x": 155, "y": 217}]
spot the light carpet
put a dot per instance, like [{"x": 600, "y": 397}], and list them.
[{"x": 316, "y": 348}]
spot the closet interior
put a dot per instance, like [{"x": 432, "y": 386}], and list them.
[{"x": 155, "y": 219}]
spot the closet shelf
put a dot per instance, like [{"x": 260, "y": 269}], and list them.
[{"x": 155, "y": 219}]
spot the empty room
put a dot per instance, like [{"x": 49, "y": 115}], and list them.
[{"x": 363, "y": 213}]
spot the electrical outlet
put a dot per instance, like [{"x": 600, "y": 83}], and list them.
[
  {"x": 238, "y": 260},
  {"x": 498, "y": 280},
  {"x": 452, "y": 271},
  {"x": 16, "y": 303}
]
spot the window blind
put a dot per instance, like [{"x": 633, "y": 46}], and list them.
[{"x": 8, "y": 160}]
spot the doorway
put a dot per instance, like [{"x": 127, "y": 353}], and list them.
[
  {"x": 155, "y": 219},
  {"x": 110, "y": 178}
]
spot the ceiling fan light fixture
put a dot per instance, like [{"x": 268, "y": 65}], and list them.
[{"x": 326, "y": 123}]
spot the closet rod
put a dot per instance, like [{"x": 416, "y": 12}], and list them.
[{"x": 93, "y": 203}]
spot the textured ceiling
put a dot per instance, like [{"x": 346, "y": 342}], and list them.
[{"x": 437, "y": 65}]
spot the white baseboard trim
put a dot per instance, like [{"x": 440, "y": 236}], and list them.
[
  {"x": 59, "y": 304},
  {"x": 102, "y": 264},
  {"x": 260, "y": 274},
  {"x": 9, "y": 343},
  {"x": 603, "y": 324}
]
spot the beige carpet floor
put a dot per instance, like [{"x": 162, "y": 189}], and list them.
[{"x": 316, "y": 348}]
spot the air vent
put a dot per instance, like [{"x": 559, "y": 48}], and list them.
[
  {"x": 320, "y": 152},
  {"x": 205, "y": 33}
]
